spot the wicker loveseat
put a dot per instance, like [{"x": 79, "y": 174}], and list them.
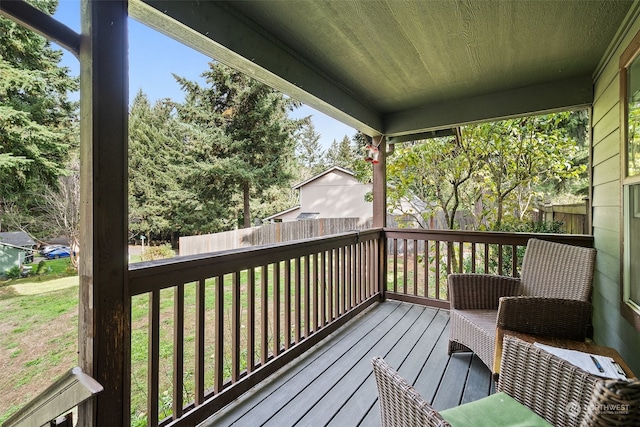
[
  {"x": 544, "y": 385},
  {"x": 550, "y": 298}
]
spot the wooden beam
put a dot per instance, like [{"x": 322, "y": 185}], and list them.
[
  {"x": 41, "y": 23},
  {"x": 104, "y": 312},
  {"x": 559, "y": 95},
  {"x": 215, "y": 30}
]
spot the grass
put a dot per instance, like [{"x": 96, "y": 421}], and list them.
[{"x": 38, "y": 336}]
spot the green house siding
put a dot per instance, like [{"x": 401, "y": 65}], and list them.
[
  {"x": 610, "y": 328},
  {"x": 9, "y": 257}
]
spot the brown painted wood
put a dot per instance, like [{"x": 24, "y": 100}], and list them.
[
  {"x": 276, "y": 309},
  {"x": 298, "y": 302},
  {"x": 41, "y": 23},
  {"x": 287, "y": 304},
  {"x": 264, "y": 315},
  {"x": 380, "y": 184},
  {"x": 323, "y": 289},
  {"x": 146, "y": 276},
  {"x": 104, "y": 310},
  {"x": 200, "y": 342},
  {"x": 178, "y": 350},
  {"x": 218, "y": 367},
  {"x": 235, "y": 328},
  {"x": 251, "y": 319},
  {"x": 153, "y": 370}
]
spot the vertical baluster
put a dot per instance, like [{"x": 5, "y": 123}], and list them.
[
  {"x": 437, "y": 266},
  {"x": 358, "y": 271},
  {"x": 251, "y": 319},
  {"x": 235, "y": 328},
  {"x": 337, "y": 272},
  {"x": 473, "y": 257},
  {"x": 348, "y": 267},
  {"x": 514, "y": 261},
  {"x": 287, "y": 304},
  {"x": 395, "y": 265},
  {"x": 200, "y": 342},
  {"x": 461, "y": 257},
  {"x": 405, "y": 274},
  {"x": 154, "y": 358},
  {"x": 218, "y": 379},
  {"x": 178, "y": 350},
  {"x": 330, "y": 287},
  {"x": 316, "y": 290},
  {"x": 323, "y": 289},
  {"x": 264, "y": 314},
  {"x": 426, "y": 268},
  {"x": 344, "y": 292},
  {"x": 415, "y": 267},
  {"x": 307, "y": 296},
  {"x": 486, "y": 258},
  {"x": 276, "y": 309},
  {"x": 298, "y": 302},
  {"x": 500, "y": 260}
]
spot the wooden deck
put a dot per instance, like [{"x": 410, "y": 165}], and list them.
[{"x": 334, "y": 385}]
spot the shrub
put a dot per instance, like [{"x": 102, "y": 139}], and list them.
[
  {"x": 40, "y": 266},
  {"x": 157, "y": 252},
  {"x": 13, "y": 272}
]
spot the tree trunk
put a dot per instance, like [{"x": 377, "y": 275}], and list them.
[{"x": 247, "y": 214}]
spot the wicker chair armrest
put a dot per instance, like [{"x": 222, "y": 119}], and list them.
[
  {"x": 614, "y": 403},
  {"x": 551, "y": 387},
  {"x": 480, "y": 291},
  {"x": 400, "y": 403},
  {"x": 555, "y": 317}
]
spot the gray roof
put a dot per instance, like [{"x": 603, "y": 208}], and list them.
[{"x": 17, "y": 238}]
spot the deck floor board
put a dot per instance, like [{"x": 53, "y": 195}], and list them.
[{"x": 333, "y": 384}]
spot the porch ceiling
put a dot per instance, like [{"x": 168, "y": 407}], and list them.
[{"x": 404, "y": 67}]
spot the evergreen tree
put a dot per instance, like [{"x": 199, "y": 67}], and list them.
[
  {"x": 309, "y": 152},
  {"x": 258, "y": 146},
  {"x": 36, "y": 117},
  {"x": 341, "y": 154}
]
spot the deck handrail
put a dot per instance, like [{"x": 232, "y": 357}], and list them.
[
  {"x": 269, "y": 304},
  {"x": 266, "y": 305},
  {"x": 60, "y": 397},
  {"x": 418, "y": 260}
]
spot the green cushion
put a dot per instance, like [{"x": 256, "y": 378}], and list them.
[{"x": 499, "y": 409}]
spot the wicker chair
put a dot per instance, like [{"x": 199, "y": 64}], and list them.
[
  {"x": 551, "y": 298},
  {"x": 554, "y": 389}
]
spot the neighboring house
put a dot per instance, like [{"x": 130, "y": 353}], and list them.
[
  {"x": 334, "y": 193},
  {"x": 16, "y": 249}
]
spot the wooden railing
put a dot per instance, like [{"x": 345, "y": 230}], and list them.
[
  {"x": 206, "y": 328},
  {"x": 418, "y": 261}
]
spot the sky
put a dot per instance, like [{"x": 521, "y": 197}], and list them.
[{"x": 153, "y": 58}]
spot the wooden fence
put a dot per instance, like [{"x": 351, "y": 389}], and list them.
[{"x": 269, "y": 234}]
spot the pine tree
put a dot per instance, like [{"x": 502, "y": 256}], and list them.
[
  {"x": 36, "y": 117},
  {"x": 258, "y": 144},
  {"x": 309, "y": 152}
]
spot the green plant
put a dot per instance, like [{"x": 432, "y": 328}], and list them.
[
  {"x": 40, "y": 266},
  {"x": 13, "y": 272},
  {"x": 157, "y": 252}
]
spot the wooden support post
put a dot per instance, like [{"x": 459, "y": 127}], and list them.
[
  {"x": 380, "y": 208},
  {"x": 104, "y": 312},
  {"x": 380, "y": 185}
]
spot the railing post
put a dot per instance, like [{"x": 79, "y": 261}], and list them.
[
  {"x": 380, "y": 211},
  {"x": 104, "y": 309}
]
